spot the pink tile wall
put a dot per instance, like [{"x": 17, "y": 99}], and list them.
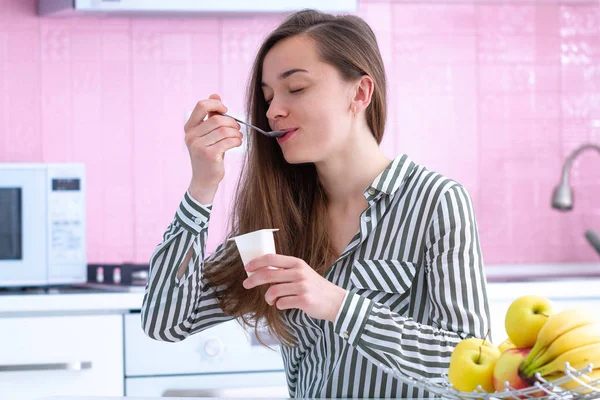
[{"x": 494, "y": 96}]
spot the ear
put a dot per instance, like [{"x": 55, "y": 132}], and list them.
[{"x": 363, "y": 93}]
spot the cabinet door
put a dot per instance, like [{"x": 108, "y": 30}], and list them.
[
  {"x": 61, "y": 355},
  {"x": 222, "y": 348},
  {"x": 231, "y": 385}
]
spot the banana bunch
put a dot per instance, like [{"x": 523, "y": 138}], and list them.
[{"x": 573, "y": 336}]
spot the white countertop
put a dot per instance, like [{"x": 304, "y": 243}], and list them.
[
  {"x": 71, "y": 302},
  {"x": 540, "y": 279}
]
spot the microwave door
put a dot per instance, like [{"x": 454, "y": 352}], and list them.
[
  {"x": 11, "y": 222},
  {"x": 22, "y": 228}
]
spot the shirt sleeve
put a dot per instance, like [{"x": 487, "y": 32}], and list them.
[
  {"x": 174, "y": 308},
  {"x": 456, "y": 293}
]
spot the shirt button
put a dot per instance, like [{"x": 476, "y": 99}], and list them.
[
  {"x": 197, "y": 220},
  {"x": 371, "y": 191},
  {"x": 346, "y": 335},
  {"x": 367, "y": 219}
]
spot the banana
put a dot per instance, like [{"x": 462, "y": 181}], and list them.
[
  {"x": 578, "y": 337},
  {"x": 578, "y": 358},
  {"x": 557, "y": 325},
  {"x": 571, "y": 384}
]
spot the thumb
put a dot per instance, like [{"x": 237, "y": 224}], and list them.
[{"x": 214, "y": 96}]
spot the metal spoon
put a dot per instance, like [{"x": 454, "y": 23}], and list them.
[{"x": 271, "y": 134}]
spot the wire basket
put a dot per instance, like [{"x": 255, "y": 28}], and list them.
[{"x": 587, "y": 387}]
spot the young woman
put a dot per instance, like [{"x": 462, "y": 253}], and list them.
[{"x": 378, "y": 263}]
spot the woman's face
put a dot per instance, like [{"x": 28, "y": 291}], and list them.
[{"x": 308, "y": 96}]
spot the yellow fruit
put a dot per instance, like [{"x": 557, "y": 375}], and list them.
[
  {"x": 524, "y": 319},
  {"x": 507, "y": 344},
  {"x": 578, "y": 358},
  {"x": 557, "y": 325},
  {"x": 571, "y": 384},
  {"x": 578, "y": 337},
  {"x": 472, "y": 364}
]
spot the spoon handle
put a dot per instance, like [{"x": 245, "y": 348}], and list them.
[{"x": 245, "y": 123}]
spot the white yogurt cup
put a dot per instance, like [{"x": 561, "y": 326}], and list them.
[{"x": 255, "y": 244}]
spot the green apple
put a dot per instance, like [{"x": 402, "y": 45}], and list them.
[
  {"x": 524, "y": 319},
  {"x": 472, "y": 364}
]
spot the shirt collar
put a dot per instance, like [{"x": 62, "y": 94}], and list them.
[{"x": 393, "y": 176}]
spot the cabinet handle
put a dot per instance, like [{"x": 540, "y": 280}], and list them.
[{"x": 66, "y": 366}]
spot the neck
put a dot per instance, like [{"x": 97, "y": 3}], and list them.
[{"x": 346, "y": 174}]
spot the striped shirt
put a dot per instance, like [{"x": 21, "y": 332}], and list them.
[{"x": 414, "y": 279}]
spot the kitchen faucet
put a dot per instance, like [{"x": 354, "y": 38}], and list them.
[{"x": 562, "y": 198}]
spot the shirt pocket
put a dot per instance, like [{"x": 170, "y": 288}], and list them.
[{"x": 388, "y": 282}]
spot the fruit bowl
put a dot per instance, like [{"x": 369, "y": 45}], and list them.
[{"x": 583, "y": 387}]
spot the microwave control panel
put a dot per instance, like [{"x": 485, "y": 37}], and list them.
[{"x": 66, "y": 217}]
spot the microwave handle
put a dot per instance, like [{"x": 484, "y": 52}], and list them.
[{"x": 66, "y": 366}]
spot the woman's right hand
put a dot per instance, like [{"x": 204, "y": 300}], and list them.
[{"x": 207, "y": 141}]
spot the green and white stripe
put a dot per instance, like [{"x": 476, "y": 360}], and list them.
[{"x": 414, "y": 275}]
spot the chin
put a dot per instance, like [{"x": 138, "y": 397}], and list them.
[{"x": 297, "y": 158}]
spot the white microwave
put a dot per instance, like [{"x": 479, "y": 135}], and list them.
[{"x": 42, "y": 224}]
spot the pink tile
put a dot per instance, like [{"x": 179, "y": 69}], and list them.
[
  {"x": 580, "y": 106},
  {"x": 434, "y": 49},
  {"x": 498, "y": 49},
  {"x": 176, "y": 46},
  {"x": 86, "y": 45},
  {"x": 547, "y": 49},
  {"x": 579, "y": 20},
  {"x": 433, "y": 19},
  {"x": 580, "y": 78},
  {"x": 547, "y": 20},
  {"x": 4, "y": 134},
  {"x": 146, "y": 46},
  {"x": 580, "y": 50},
  {"x": 22, "y": 112},
  {"x": 116, "y": 46},
  {"x": 506, "y": 19},
  {"x": 55, "y": 40},
  {"x": 507, "y": 78},
  {"x": 23, "y": 45},
  {"x": 379, "y": 17},
  {"x": 56, "y": 112}
]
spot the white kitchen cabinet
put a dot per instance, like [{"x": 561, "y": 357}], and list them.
[
  {"x": 225, "y": 347},
  {"x": 77, "y": 355},
  {"x": 230, "y": 385}
]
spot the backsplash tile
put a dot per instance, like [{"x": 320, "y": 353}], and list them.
[{"x": 495, "y": 95}]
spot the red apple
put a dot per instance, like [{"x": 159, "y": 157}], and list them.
[{"x": 507, "y": 370}]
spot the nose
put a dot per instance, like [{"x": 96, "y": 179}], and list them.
[{"x": 276, "y": 111}]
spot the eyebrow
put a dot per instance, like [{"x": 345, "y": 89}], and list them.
[{"x": 287, "y": 74}]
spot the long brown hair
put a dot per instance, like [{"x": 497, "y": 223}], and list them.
[{"x": 274, "y": 194}]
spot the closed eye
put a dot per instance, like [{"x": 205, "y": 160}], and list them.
[{"x": 291, "y": 91}]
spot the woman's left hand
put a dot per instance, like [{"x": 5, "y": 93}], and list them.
[{"x": 294, "y": 284}]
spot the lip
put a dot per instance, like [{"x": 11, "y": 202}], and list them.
[{"x": 287, "y": 136}]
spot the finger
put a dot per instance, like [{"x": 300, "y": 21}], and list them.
[
  {"x": 276, "y": 292},
  {"x": 219, "y": 134},
  {"x": 226, "y": 144},
  {"x": 269, "y": 275},
  {"x": 274, "y": 260},
  {"x": 288, "y": 303},
  {"x": 202, "y": 109},
  {"x": 214, "y": 96},
  {"x": 215, "y": 122}
]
